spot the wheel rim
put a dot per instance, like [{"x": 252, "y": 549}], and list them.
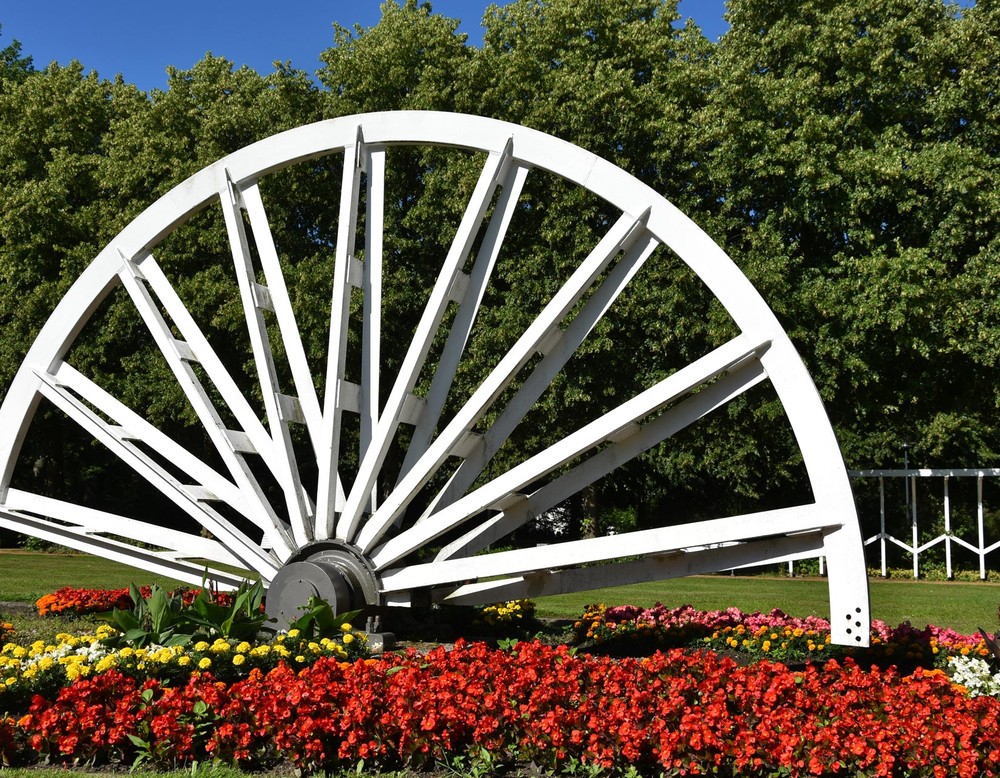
[{"x": 472, "y": 510}]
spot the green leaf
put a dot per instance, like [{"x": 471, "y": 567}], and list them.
[{"x": 159, "y": 610}]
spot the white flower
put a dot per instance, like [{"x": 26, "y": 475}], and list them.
[{"x": 975, "y": 675}]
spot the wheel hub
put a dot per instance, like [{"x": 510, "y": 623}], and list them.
[{"x": 331, "y": 570}]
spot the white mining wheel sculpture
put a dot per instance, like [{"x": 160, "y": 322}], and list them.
[{"x": 366, "y": 547}]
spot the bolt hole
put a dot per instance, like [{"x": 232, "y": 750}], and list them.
[
  {"x": 857, "y": 639},
  {"x": 849, "y": 630},
  {"x": 857, "y": 610}
]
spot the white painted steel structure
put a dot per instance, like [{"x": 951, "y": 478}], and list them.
[
  {"x": 361, "y": 544},
  {"x": 947, "y": 538}
]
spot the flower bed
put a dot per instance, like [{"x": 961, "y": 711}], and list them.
[
  {"x": 83, "y": 601},
  {"x": 774, "y": 635},
  {"x": 317, "y": 705},
  {"x": 679, "y": 712},
  {"x": 43, "y": 669}
]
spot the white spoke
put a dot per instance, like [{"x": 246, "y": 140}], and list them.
[
  {"x": 629, "y": 443},
  {"x": 620, "y": 236},
  {"x": 179, "y": 355},
  {"x": 189, "y": 500},
  {"x": 371, "y": 363},
  {"x": 675, "y": 564},
  {"x": 137, "y": 428},
  {"x": 698, "y": 534},
  {"x": 254, "y": 300},
  {"x": 462, "y": 326},
  {"x": 606, "y": 428},
  {"x": 333, "y": 405},
  {"x": 281, "y": 302},
  {"x": 429, "y": 323},
  {"x": 86, "y": 521},
  {"x": 154, "y": 562},
  {"x": 538, "y": 381},
  {"x": 194, "y": 348}
]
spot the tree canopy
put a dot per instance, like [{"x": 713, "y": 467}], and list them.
[{"x": 844, "y": 154}]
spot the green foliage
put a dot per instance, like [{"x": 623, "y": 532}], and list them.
[
  {"x": 242, "y": 619},
  {"x": 843, "y": 153},
  {"x": 319, "y": 621},
  {"x": 154, "y": 621},
  {"x": 852, "y": 158},
  {"x": 164, "y": 620}
]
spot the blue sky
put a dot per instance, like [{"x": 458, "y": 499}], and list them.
[{"x": 140, "y": 38}]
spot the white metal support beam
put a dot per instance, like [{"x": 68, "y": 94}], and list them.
[
  {"x": 287, "y": 471},
  {"x": 413, "y": 362}
]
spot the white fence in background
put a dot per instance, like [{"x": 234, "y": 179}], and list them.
[
  {"x": 948, "y": 538},
  {"x": 913, "y": 546}
]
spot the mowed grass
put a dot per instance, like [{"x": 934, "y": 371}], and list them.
[
  {"x": 962, "y": 606},
  {"x": 26, "y": 576}
]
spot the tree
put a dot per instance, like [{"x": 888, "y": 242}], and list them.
[
  {"x": 14, "y": 67},
  {"x": 852, "y": 149}
]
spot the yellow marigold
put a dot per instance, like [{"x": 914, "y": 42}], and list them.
[
  {"x": 260, "y": 650},
  {"x": 201, "y": 645},
  {"x": 239, "y": 659},
  {"x": 220, "y": 647},
  {"x": 205, "y": 663},
  {"x": 243, "y": 647},
  {"x": 348, "y": 639},
  {"x": 346, "y": 627},
  {"x": 106, "y": 663},
  {"x": 300, "y": 659},
  {"x": 293, "y": 633},
  {"x": 766, "y": 645}
]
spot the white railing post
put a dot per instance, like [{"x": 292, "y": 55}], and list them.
[
  {"x": 881, "y": 531},
  {"x": 948, "y": 536},
  {"x": 911, "y": 484},
  {"x": 979, "y": 518},
  {"x": 947, "y": 530}
]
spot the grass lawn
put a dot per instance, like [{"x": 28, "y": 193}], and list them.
[{"x": 26, "y": 576}]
